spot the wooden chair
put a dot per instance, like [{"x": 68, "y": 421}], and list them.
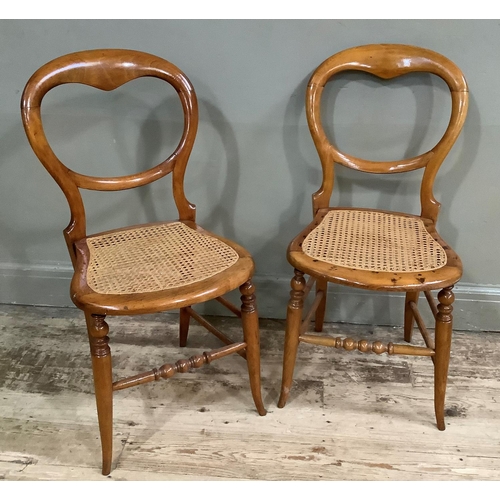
[
  {"x": 375, "y": 249},
  {"x": 146, "y": 268}
]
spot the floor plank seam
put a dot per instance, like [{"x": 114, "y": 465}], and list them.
[
  {"x": 202, "y": 426},
  {"x": 124, "y": 442}
]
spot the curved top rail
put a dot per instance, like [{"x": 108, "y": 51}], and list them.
[
  {"x": 386, "y": 61},
  {"x": 105, "y": 69}
]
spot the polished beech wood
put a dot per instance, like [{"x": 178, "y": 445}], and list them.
[
  {"x": 409, "y": 317},
  {"x": 292, "y": 333},
  {"x": 182, "y": 366},
  {"x": 250, "y": 320},
  {"x": 376, "y": 280},
  {"x": 108, "y": 69},
  {"x": 229, "y": 305},
  {"x": 444, "y": 322},
  {"x": 421, "y": 325},
  {"x": 144, "y": 303},
  {"x": 385, "y": 61},
  {"x": 212, "y": 329},
  {"x": 214, "y": 442},
  {"x": 318, "y": 299},
  {"x": 103, "y": 384},
  {"x": 431, "y": 302}
]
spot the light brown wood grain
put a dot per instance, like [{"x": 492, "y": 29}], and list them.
[
  {"x": 108, "y": 69},
  {"x": 385, "y": 61}
]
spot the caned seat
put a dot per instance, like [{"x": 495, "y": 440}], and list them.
[
  {"x": 374, "y": 241},
  {"x": 165, "y": 262},
  {"x": 148, "y": 268},
  {"x": 154, "y": 258},
  {"x": 377, "y": 249}
]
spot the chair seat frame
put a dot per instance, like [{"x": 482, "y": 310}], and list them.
[
  {"x": 385, "y": 61},
  {"x": 108, "y": 69}
]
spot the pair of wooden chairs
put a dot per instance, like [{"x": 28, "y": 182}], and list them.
[{"x": 174, "y": 265}]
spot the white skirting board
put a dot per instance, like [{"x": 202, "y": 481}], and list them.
[{"x": 476, "y": 307}]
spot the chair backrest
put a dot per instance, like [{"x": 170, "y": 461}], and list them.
[
  {"x": 386, "y": 61},
  {"x": 108, "y": 69}
]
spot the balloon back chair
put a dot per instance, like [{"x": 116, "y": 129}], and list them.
[
  {"x": 376, "y": 249},
  {"x": 146, "y": 268}
]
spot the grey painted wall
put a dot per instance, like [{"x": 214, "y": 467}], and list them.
[{"x": 254, "y": 167}]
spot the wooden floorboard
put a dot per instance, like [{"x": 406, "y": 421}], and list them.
[{"x": 350, "y": 416}]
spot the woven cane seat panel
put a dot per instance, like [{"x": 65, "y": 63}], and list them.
[
  {"x": 374, "y": 241},
  {"x": 154, "y": 258}
]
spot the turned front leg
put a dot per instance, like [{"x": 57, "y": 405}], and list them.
[
  {"x": 250, "y": 322},
  {"x": 103, "y": 383},
  {"x": 292, "y": 332},
  {"x": 444, "y": 322}
]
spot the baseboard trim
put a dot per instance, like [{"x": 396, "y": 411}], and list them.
[
  {"x": 476, "y": 307},
  {"x": 35, "y": 285}
]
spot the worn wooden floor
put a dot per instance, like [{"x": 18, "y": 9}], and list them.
[{"x": 350, "y": 416}]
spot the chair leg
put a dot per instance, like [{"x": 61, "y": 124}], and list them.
[
  {"x": 250, "y": 322},
  {"x": 321, "y": 286},
  {"x": 292, "y": 332},
  {"x": 103, "y": 383},
  {"x": 444, "y": 321},
  {"x": 183, "y": 326},
  {"x": 409, "y": 318}
]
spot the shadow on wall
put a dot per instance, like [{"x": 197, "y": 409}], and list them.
[
  {"x": 112, "y": 134},
  {"x": 301, "y": 173}
]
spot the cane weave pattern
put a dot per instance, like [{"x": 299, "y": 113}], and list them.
[
  {"x": 374, "y": 241},
  {"x": 154, "y": 258}
]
